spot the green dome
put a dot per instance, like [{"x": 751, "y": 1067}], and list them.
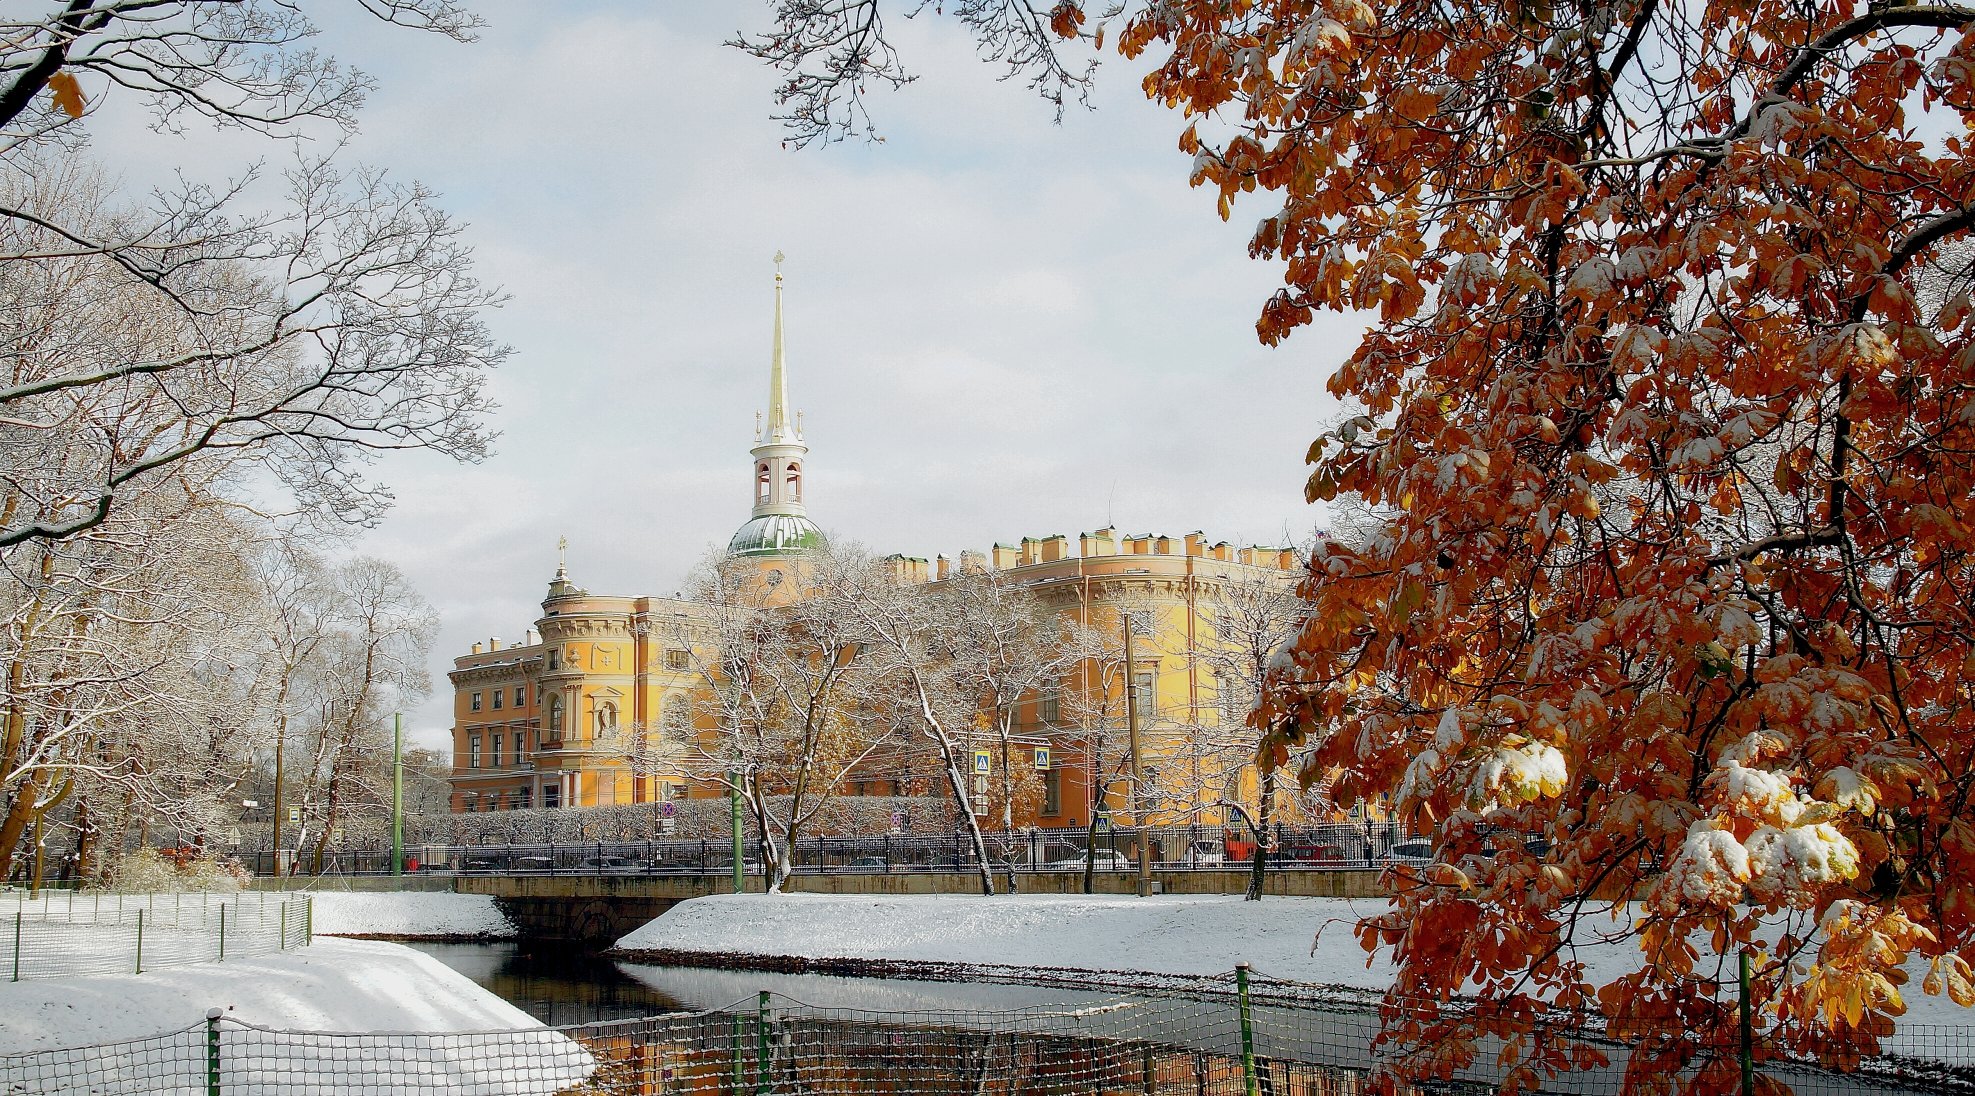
[{"x": 776, "y": 533}]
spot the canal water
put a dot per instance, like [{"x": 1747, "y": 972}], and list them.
[
  {"x": 1320, "y": 1046},
  {"x": 560, "y": 985}
]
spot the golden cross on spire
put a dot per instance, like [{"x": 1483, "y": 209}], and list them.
[
  {"x": 561, "y": 553},
  {"x": 778, "y": 264}
]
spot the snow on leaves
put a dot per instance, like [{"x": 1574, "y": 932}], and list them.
[{"x": 1667, "y": 403}]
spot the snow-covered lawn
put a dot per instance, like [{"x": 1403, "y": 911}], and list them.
[
  {"x": 407, "y": 914},
  {"x": 333, "y": 985},
  {"x": 1300, "y": 939}
]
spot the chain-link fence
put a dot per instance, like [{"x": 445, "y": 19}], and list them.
[
  {"x": 1223, "y": 1039},
  {"x": 67, "y": 933}
]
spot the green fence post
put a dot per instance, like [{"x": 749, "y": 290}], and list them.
[
  {"x": 1748, "y": 1031},
  {"x": 1247, "y": 1032},
  {"x": 222, "y": 932},
  {"x": 308, "y": 921},
  {"x": 284, "y": 927},
  {"x": 761, "y": 1045},
  {"x": 17, "y": 945},
  {"x": 212, "y": 1052},
  {"x": 140, "y": 939}
]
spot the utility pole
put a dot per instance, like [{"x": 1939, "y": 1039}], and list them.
[
  {"x": 279, "y": 737},
  {"x": 1138, "y": 768},
  {"x": 398, "y": 793},
  {"x": 734, "y": 824}
]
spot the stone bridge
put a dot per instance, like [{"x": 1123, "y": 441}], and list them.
[{"x": 597, "y": 910}]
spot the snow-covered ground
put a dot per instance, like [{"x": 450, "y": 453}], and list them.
[
  {"x": 1173, "y": 934},
  {"x": 408, "y": 914},
  {"x": 331, "y": 986},
  {"x": 1300, "y": 939}
]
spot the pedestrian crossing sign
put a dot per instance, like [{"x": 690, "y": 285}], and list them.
[{"x": 983, "y": 762}]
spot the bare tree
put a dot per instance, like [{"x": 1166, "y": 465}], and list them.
[
  {"x": 121, "y": 648},
  {"x": 786, "y": 679},
  {"x": 342, "y": 321},
  {"x": 1006, "y": 647},
  {"x": 830, "y": 51},
  {"x": 372, "y": 663},
  {"x": 1253, "y": 615}
]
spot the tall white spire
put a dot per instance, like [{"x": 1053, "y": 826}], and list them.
[
  {"x": 779, "y": 466},
  {"x": 778, "y": 427}
]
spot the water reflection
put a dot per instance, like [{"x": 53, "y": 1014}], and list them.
[{"x": 556, "y": 985}]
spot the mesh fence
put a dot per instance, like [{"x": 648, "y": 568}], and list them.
[
  {"x": 1222, "y": 1042},
  {"x": 60, "y": 934}
]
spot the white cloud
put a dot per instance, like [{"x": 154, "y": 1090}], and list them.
[{"x": 997, "y": 326}]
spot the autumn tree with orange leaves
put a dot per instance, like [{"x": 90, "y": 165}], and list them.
[{"x": 1669, "y": 407}]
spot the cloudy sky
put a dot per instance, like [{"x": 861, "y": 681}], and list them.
[{"x": 997, "y": 327}]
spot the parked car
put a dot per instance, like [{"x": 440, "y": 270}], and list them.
[
  {"x": 1309, "y": 853},
  {"x": 1203, "y": 854},
  {"x": 612, "y": 865},
  {"x": 1410, "y": 852},
  {"x": 533, "y": 865},
  {"x": 868, "y": 863},
  {"x": 1101, "y": 860}
]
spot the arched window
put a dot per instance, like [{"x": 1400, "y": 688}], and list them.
[
  {"x": 555, "y": 716},
  {"x": 795, "y": 482},
  {"x": 762, "y": 481}
]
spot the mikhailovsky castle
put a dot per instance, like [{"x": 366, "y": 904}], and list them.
[{"x": 531, "y": 721}]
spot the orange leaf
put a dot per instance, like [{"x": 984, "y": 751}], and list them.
[{"x": 67, "y": 93}]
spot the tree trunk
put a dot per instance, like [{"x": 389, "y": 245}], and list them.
[{"x": 1261, "y": 865}]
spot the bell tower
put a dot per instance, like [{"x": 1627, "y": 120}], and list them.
[
  {"x": 779, "y": 465},
  {"x": 779, "y": 453}
]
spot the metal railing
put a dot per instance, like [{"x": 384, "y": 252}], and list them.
[{"x": 1365, "y": 846}]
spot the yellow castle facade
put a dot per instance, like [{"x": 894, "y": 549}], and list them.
[{"x": 538, "y": 724}]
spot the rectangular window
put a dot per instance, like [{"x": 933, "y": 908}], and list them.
[
  {"x": 499, "y": 695},
  {"x": 676, "y": 659},
  {"x": 521, "y": 696},
  {"x": 554, "y": 660},
  {"x": 1235, "y": 704},
  {"x": 473, "y": 704},
  {"x": 1146, "y": 699},
  {"x": 473, "y": 752},
  {"x": 521, "y": 798},
  {"x": 551, "y": 796},
  {"x": 496, "y": 751},
  {"x": 1052, "y": 791},
  {"x": 1051, "y": 708}
]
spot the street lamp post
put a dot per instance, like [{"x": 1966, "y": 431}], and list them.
[
  {"x": 398, "y": 793},
  {"x": 1138, "y": 770}
]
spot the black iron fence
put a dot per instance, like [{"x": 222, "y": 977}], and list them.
[{"x": 1346, "y": 845}]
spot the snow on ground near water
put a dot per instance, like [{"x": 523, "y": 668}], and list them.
[
  {"x": 1166, "y": 935},
  {"x": 1301, "y": 939},
  {"x": 330, "y": 986},
  {"x": 408, "y": 913}
]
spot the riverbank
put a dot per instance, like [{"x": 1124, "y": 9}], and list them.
[
  {"x": 1113, "y": 943},
  {"x": 331, "y": 985},
  {"x": 436, "y": 916},
  {"x": 1299, "y": 939}
]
